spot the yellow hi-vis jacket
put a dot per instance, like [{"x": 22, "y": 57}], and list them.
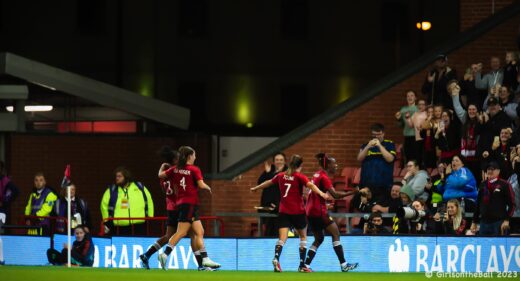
[{"x": 130, "y": 203}]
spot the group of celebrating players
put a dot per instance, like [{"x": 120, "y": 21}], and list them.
[{"x": 181, "y": 179}]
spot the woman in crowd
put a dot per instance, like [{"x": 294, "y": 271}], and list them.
[
  {"x": 447, "y": 137},
  {"x": 470, "y": 131},
  {"x": 451, "y": 222},
  {"x": 81, "y": 253},
  {"x": 403, "y": 117},
  {"x": 457, "y": 182}
]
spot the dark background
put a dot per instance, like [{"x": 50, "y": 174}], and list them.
[{"x": 270, "y": 63}]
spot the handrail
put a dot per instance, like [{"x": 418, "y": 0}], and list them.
[
  {"x": 366, "y": 95},
  {"x": 218, "y": 227}
]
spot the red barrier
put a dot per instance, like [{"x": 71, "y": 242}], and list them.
[{"x": 147, "y": 219}]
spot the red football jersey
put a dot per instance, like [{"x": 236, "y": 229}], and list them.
[
  {"x": 168, "y": 189},
  {"x": 185, "y": 182},
  {"x": 316, "y": 205},
  {"x": 291, "y": 191}
]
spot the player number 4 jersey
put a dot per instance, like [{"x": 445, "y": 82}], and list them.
[{"x": 184, "y": 180}]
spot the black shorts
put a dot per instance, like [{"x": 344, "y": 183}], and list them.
[
  {"x": 188, "y": 213},
  {"x": 296, "y": 221},
  {"x": 173, "y": 218},
  {"x": 319, "y": 223}
]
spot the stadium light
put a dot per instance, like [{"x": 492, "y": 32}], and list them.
[
  {"x": 424, "y": 26},
  {"x": 32, "y": 108}
]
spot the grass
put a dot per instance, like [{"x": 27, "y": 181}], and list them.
[{"x": 50, "y": 273}]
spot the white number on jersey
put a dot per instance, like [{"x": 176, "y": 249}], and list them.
[
  {"x": 169, "y": 190},
  {"x": 183, "y": 183},
  {"x": 288, "y": 185}
]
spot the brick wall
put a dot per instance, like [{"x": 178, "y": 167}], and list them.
[
  {"x": 474, "y": 11},
  {"x": 93, "y": 160},
  {"x": 343, "y": 137}
]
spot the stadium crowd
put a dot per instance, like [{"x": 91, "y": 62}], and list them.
[{"x": 460, "y": 156}]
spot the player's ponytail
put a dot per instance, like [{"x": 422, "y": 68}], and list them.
[
  {"x": 184, "y": 153},
  {"x": 295, "y": 163}
]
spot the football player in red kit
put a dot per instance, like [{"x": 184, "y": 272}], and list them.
[
  {"x": 317, "y": 214},
  {"x": 186, "y": 179},
  {"x": 292, "y": 212}
]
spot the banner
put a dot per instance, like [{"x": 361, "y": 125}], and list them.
[{"x": 373, "y": 253}]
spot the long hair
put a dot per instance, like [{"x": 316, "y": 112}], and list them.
[
  {"x": 184, "y": 153},
  {"x": 457, "y": 219},
  {"x": 295, "y": 163}
]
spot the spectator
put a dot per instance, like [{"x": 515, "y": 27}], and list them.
[
  {"x": 492, "y": 124},
  {"x": 81, "y": 254},
  {"x": 507, "y": 103},
  {"x": 126, "y": 198},
  {"x": 8, "y": 193},
  {"x": 402, "y": 225},
  {"x": 511, "y": 71},
  {"x": 416, "y": 122},
  {"x": 270, "y": 199},
  {"x": 434, "y": 86},
  {"x": 470, "y": 132},
  {"x": 80, "y": 214},
  {"x": 403, "y": 117},
  {"x": 377, "y": 157},
  {"x": 495, "y": 204},
  {"x": 425, "y": 224},
  {"x": 363, "y": 201},
  {"x": 447, "y": 137},
  {"x": 392, "y": 203},
  {"x": 452, "y": 221},
  {"x": 416, "y": 179},
  {"x": 513, "y": 180},
  {"x": 491, "y": 79},
  {"x": 40, "y": 203},
  {"x": 428, "y": 129},
  {"x": 468, "y": 90},
  {"x": 374, "y": 226},
  {"x": 459, "y": 183},
  {"x": 434, "y": 196},
  {"x": 501, "y": 153}
]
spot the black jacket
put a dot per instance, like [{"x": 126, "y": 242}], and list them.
[
  {"x": 270, "y": 195},
  {"x": 491, "y": 129},
  {"x": 495, "y": 202},
  {"x": 436, "y": 91}
]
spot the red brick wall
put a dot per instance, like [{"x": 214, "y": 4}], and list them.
[
  {"x": 343, "y": 138},
  {"x": 474, "y": 11},
  {"x": 93, "y": 160}
]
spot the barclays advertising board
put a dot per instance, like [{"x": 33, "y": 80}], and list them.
[{"x": 374, "y": 253}]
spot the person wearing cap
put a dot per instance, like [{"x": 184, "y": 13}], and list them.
[
  {"x": 434, "y": 86},
  {"x": 492, "y": 124},
  {"x": 495, "y": 204}
]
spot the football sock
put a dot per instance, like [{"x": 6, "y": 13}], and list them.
[{"x": 339, "y": 251}]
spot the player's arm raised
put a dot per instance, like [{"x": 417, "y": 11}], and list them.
[
  {"x": 162, "y": 170},
  {"x": 315, "y": 189},
  {"x": 263, "y": 185}
]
